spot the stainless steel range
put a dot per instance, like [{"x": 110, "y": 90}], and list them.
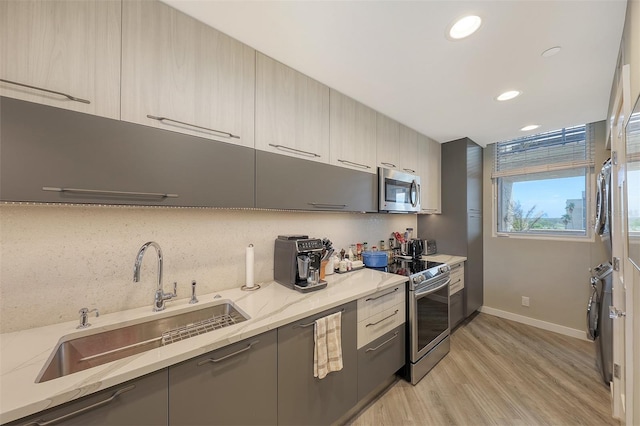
[{"x": 428, "y": 314}]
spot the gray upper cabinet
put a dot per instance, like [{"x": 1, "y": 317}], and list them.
[
  {"x": 235, "y": 385},
  {"x": 292, "y": 112},
  {"x": 283, "y": 182},
  {"x": 142, "y": 401},
  {"x": 54, "y": 155},
  {"x": 353, "y": 134},
  {"x": 181, "y": 75},
  {"x": 68, "y": 52},
  {"x": 307, "y": 400}
]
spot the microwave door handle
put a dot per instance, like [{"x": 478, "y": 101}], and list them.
[
  {"x": 412, "y": 192},
  {"x": 432, "y": 290}
]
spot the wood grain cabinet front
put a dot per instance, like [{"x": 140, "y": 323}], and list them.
[
  {"x": 234, "y": 385},
  {"x": 292, "y": 112},
  {"x": 142, "y": 401},
  {"x": 429, "y": 159},
  {"x": 307, "y": 400},
  {"x": 62, "y": 53},
  {"x": 181, "y": 75}
]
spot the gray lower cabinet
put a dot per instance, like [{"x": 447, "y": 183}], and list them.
[
  {"x": 302, "y": 398},
  {"x": 456, "y": 308},
  {"x": 284, "y": 182},
  {"x": 234, "y": 385},
  {"x": 54, "y": 155},
  {"x": 380, "y": 359},
  {"x": 142, "y": 401}
]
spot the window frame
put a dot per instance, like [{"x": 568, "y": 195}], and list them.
[{"x": 587, "y": 236}]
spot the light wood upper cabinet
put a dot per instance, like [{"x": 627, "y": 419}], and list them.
[
  {"x": 292, "y": 112},
  {"x": 429, "y": 166},
  {"x": 192, "y": 78},
  {"x": 353, "y": 134},
  {"x": 387, "y": 142},
  {"x": 68, "y": 51},
  {"x": 408, "y": 160}
]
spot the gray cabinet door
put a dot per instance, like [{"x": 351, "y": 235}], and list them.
[
  {"x": 284, "y": 182},
  {"x": 456, "y": 308},
  {"x": 380, "y": 359},
  {"x": 302, "y": 398},
  {"x": 104, "y": 161},
  {"x": 234, "y": 385},
  {"x": 142, "y": 401},
  {"x": 473, "y": 280}
]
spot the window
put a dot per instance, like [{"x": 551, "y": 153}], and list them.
[{"x": 543, "y": 183}]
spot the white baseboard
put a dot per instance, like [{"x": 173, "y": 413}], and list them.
[{"x": 572, "y": 332}]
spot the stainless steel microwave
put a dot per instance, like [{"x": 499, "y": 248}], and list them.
[{"x": 398, "y": 192}]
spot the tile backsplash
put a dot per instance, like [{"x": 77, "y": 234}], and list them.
[{"x": 56, "y": 259}]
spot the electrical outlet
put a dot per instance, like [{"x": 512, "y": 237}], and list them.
[{"x": 525, "y": 301}]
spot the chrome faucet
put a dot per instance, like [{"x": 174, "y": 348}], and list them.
[{"x": 160, "y": 295}]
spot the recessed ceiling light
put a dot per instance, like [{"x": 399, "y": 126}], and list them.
[
  {"x": 509, "y": 95},
  {"x": 464, "y": 27},
  {"x": 551, "y": 51},
  {"x": 530, "y": 127}
]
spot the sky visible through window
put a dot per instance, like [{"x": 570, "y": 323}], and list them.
[{"x": 549, "y": 195}]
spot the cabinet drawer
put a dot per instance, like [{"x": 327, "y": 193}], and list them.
[
  {"x": 380, "y": 301},
  {"x": 457, "y": 284},
  {"x": 378, "y": 324},
  {"x": 380, "y": 359}
]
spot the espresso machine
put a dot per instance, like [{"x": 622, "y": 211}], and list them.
[{"x": 296, "y": 262}]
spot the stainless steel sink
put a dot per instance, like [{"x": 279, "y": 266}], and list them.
[{"x": 90, "y": 351}]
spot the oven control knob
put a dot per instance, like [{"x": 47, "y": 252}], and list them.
[
  {"x": 444, "y": 269},
  {"x": 418, "y": 279}
]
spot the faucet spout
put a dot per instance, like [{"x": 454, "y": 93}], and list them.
[{"x": 160, "y": 296}]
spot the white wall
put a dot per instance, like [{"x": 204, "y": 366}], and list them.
[
  {"x": 56, "y": 259},
  {"x": 553, "y": 274}
]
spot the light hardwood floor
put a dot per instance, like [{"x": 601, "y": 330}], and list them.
[{"x": 500, "y": 372}]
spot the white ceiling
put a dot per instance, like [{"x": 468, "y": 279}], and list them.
[{"x": 394, "y": 57}]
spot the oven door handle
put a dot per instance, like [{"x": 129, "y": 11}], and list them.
[{"x": 432, "y": 290}]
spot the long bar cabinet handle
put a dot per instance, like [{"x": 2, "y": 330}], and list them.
[
  {"x": 383, "y": 343},
  {"x": 385, "y": 318},
  {"x": 171, "y": 120},
  {"x": 206, "y": 361},
  {"x": 83, "y": 410},
  {"x": 296, "y": 151},
  {"x": 388, "y": 164},
  {"x": 66, "y": 95},
  {"x": 409, "y": 170},
  {"x": 351, "y": 163},
  {"x": 105, "y": 192},
  {"x": 382, "y": 295},
  {"x": 313, "y": 323},
  {"x": 327, "y": 205}
]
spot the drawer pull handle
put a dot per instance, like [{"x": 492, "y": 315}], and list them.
[
  {"x": 382, "y": 295},
  {"x": 85, "y": 409},
  {"x": 385, "y": 318},
  {"x": 295, "y": 151},
  {"x": 111, "y": 193},
  {"x": 351, "y": 163},
  {"x": 409, "y": 170},
  {"x": 383, "y": 343},
  {"x": 328, "y": 206},
  {"x": 206, "y": 361},
  {"x": 171, "y": 120},
  {"x": 314, "y": 323},
  {"x": 459, "y": 265},
  {"x": 71, "y": 98},
  {"x": 457, "y": 281}
]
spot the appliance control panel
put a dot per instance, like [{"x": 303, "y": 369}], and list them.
[{"x": 311, "y": 244}]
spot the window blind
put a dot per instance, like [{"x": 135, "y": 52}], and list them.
[{"x": 562, "y": 149}]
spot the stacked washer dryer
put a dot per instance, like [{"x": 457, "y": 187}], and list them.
[{"x": 599, "y": 325}]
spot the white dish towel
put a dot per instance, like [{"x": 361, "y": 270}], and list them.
[{"x": 327, "y": 353}]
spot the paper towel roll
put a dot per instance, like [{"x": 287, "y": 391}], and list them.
[{"x": 249, "y": 267}]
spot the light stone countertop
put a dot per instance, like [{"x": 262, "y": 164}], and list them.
[
  {"x": 23, "y": 354},
  {"x": 445, "y": 258}
]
